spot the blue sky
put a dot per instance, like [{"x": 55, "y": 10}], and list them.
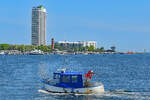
[{"x": 123, "y": 23}]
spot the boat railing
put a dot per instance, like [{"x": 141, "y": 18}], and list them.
[
  {"x": 92, "y": 84},
  {"x": 49, "y": 81}
]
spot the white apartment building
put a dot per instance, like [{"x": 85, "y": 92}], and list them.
[
  {"x": 77, "y": 44},
  {"x": 38, "y": 31}
]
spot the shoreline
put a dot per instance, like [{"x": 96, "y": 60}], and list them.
[{"x": 104, "y": 53}]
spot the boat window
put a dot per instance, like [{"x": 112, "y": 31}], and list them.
[
  {"x": 66, "y": 79},
  {"x": 74, "y": 79},
  {"x": 56, "y": 76}
]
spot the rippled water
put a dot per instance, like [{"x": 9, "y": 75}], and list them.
[{"x": 125, "y": 77}]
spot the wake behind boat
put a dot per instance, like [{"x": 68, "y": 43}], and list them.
[{"x": 73, "y": 82}]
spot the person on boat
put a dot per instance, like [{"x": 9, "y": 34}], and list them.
[{"x": 88, "y": 77}]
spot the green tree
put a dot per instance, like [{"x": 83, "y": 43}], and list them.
[
  {"x": 43, "y": 48},
  {"x": 29, "y": 47},
  {"x": 4, "y": 46},
  {"x": 49, "y": 48},
  {"x": 12, "y": 47},
  {"x": 91, "y": 48},
  {"x": 21, "y": 48},
  {"x": 59, "y": 47},
  {"x": 102, "y": 49},
  {"x": 83, "y": 48},
  {"x": 75, "y": 49}
]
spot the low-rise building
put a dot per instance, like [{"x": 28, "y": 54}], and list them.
[{"x": 78, "y": 44}]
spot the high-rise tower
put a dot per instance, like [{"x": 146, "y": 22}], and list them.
[{"x": 38, "y": 26}]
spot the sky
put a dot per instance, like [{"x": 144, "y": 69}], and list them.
[{"x": 121, "y": 23}]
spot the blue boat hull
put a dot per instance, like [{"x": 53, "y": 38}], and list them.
[{"x": 98, "y": 89}]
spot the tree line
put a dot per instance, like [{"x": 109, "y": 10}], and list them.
[{"x": 44, "y": 48}]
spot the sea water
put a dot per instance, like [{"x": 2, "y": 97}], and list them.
[{"x": 125, "y": 77}]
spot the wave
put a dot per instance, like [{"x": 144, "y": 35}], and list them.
[{"x": 125, "y": 94}]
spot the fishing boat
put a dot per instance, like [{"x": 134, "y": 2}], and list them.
[{"x": 73, "y": 82}]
